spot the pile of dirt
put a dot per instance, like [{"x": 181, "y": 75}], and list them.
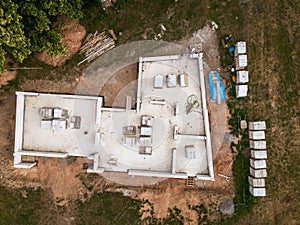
[
  {"x": 227, "y": 207},
  {"x": 73, "y": 34},
  {"x": 7, "y": 76}
]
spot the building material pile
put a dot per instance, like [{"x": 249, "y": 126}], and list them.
[
  {"x": 240, "y": 62},
  {"x": 73, "y": 34},
  {"x": 258, "y": 156},
  {"x": 96, "y": 45}
]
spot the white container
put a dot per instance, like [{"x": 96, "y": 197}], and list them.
[
  {"x": 242, "y": 77},
  {"x": 147, "y": 120},
  {"x": 258, "y": 154},
  {"x": 258, "y": 173},
  {"x": 256, "y": 182},
  {"x": 240, "y": 48},
  {"x": 183, "y": 80},
  {"x": 243, "y": 124},
  {"x": 159, "y": 81},
  {"x": 257, "y": 125},
  {"x": 257, "y": 191},
  {"x": 255, "y": 144},
  {"x": 241, "y": 62},
  {"x": 257, "y": 135},
  {"x": 171, "y": 80},
  {"x": 145, "y": 141},
  {"x": 258, "y": 164},
  {"x": 241, "y": 90},
  {"x": 146, "y": 131}
]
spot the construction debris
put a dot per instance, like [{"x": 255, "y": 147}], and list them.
[
  {"x": 258, "y": 158},
  {"x": 73, "y": 34},
  {"x": 214, "y": 26},
  {"x": 112, "y": 33},
  {"x": 96, "y": 45}
]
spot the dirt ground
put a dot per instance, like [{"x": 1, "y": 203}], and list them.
[
  {"x": 7, "y": 76},
  {"x": 73, "y": 34},
  {"x": 67, "y": 179},
  {"x": 112, "y": 90},
  {"x": 175, "y": 193}
]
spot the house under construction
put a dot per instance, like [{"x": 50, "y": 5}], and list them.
[{"x": 163, "y": 131}]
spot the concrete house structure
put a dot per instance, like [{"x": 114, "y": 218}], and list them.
[{"x": 165, "y": 134}]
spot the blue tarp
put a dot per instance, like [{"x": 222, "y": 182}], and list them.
[
  {"x": 230, "y": 50},
  {"x": 212, "y": 87}
]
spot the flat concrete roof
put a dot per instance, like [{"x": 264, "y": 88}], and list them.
[
  {"x": 75, "y": 142},
  {"x": 128, "y": 156},
  {"x": 101, "y": 138},
  {"x": 163, "y": 126}
]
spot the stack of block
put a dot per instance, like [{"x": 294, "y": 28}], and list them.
[
  {"x": 258, "y": 156},
  {"x": 240, "y": 59}
]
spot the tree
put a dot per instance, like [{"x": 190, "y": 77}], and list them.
[
  {"x": 31, "y": 26},
  {"x": 12, "y": 37}
]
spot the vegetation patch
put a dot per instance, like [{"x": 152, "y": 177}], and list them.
[
  {"x": 108, "y": 208},
  {"x": 21, "y": 206}
]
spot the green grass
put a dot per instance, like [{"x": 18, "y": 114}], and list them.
[
  {"x": 180, "y": 18},
  {"x": 40, "y": 71},
  {"x": 274, "y": 82},
  {"x": 108, "y": 208},
  {"x": 14, "y": 209},
  {"x": 174, "y": 216}
]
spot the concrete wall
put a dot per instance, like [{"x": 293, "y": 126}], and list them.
[{"x": 206, "y": 118}]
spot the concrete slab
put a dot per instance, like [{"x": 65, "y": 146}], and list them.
[
  {"x": 160, "y": 104},
  {"x": 101, "y": 136},
  {"x": 77, "y": 142}
]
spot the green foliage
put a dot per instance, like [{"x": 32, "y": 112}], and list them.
[
  {"x": 15, "y": 209},
  {"x": 202, "y": 213},
  {"x": 174, "y": 216},
  {"x": 12, "y": 37},
  {"x": 28, "y": 26},
  {"x": 108, "y": 208}
]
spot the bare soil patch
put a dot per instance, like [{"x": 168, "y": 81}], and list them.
[
  {"x": 174, "y": 193},
  {"x": 73, "y": 34},
  {"x": 7, "y": 76},
  {"x": 120, "y": 85}
]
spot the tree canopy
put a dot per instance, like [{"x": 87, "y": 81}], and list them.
[{"x": 28, "y": 26}]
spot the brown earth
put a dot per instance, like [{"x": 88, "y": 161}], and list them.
[
  {"x": 73, "y": 34},
  {"x": 119, "y": 86},
  {"x": 7, "y": 76},
  {"x": 174, "y": 193}
]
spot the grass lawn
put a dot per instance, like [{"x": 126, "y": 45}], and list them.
[
  {"x": 18, "y": 210},
  {"x": 108, "y": 208}
]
